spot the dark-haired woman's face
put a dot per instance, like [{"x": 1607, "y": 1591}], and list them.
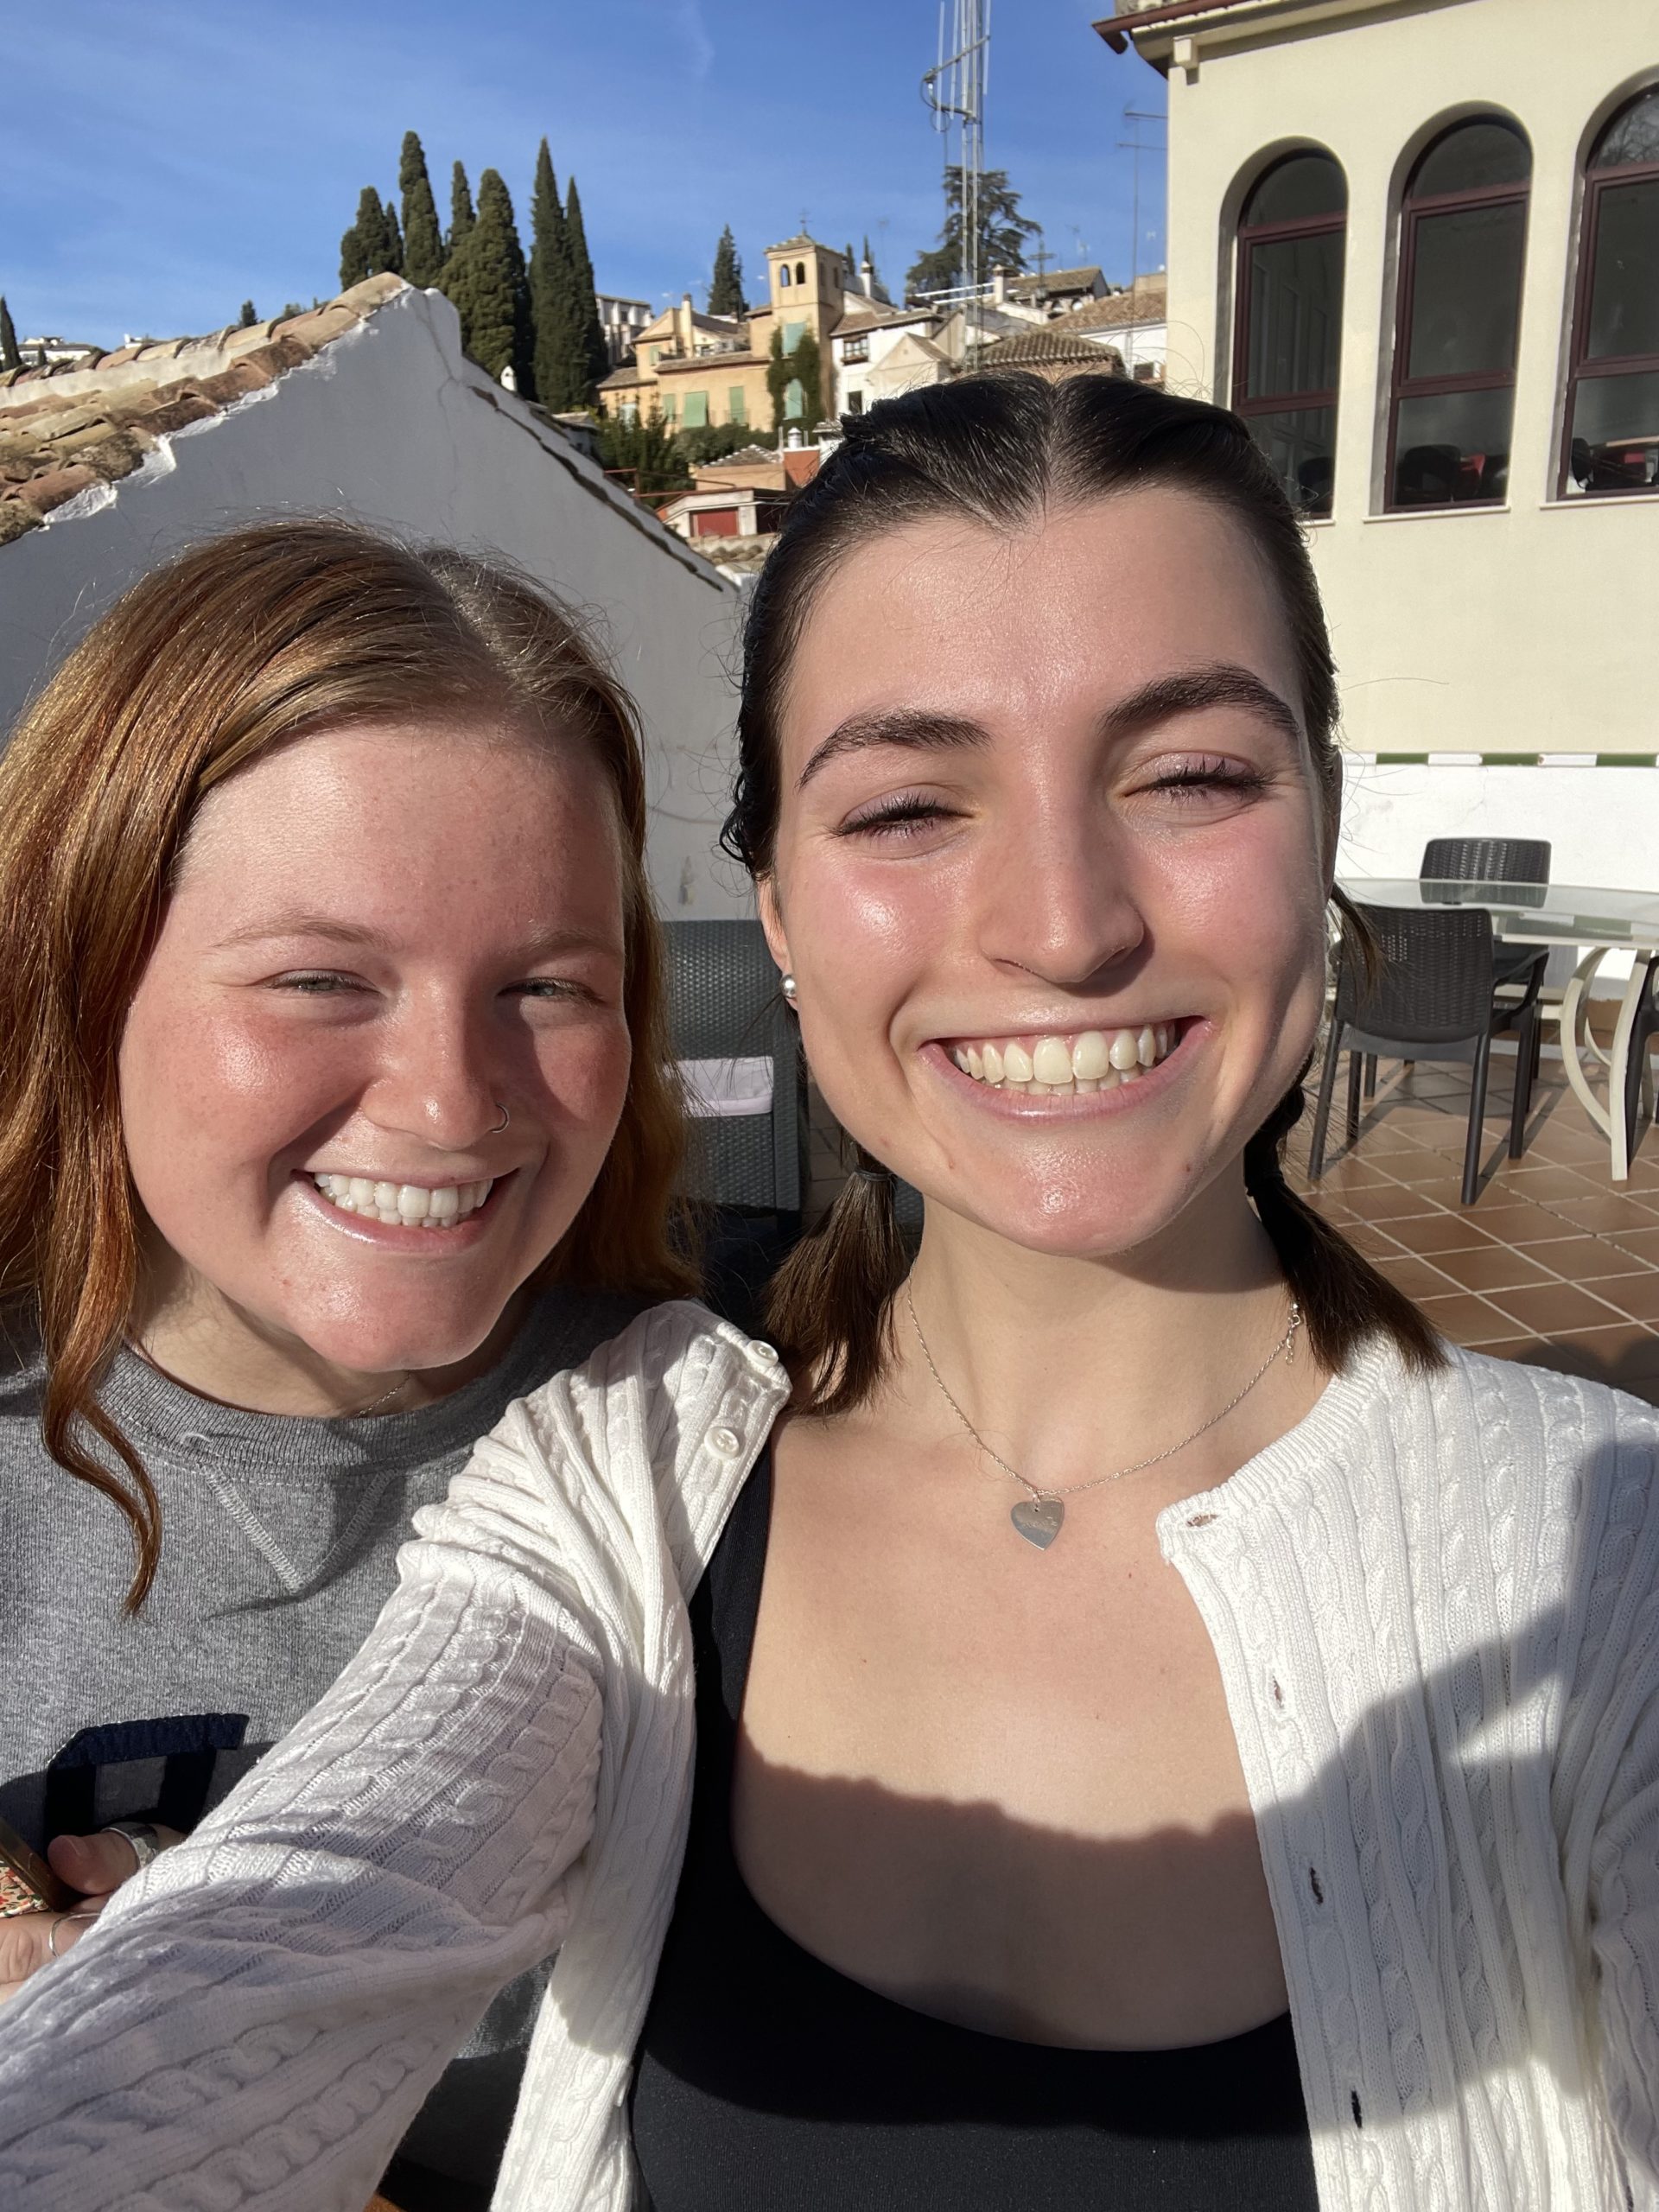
[{"x": 1051, "y": 871}]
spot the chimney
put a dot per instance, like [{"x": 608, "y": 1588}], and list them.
[
  {"x": 999, "y": 285},
  {"x": 866, "y": 278}
]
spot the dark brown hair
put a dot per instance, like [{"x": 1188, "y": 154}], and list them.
[
  {"x": 1002, "y": 450},
  {"x": 239, "y": 645}
]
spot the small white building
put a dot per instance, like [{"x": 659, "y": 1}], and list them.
[
  {"x": 621, "y": 321},
  {"x": 367, "y": 407}
]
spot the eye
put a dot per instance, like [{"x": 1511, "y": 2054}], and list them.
[
  {"x": 549, "y": 986},
  {"x": 316, "y": 983},
  {"x": 904, "y": 815},
  {"x": 1205, "y": 775}
]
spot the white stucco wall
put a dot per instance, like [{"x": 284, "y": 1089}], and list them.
[
  {"x": 392, "y": 425},
  {"x": 1526, "y": 628}
]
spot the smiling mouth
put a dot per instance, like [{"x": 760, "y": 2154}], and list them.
[
  {"x": 403, "y": 1205},
  {"x": 1066, "y": 1064}
]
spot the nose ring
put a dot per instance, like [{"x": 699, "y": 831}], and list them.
[{"x": 502, "y": 1123}]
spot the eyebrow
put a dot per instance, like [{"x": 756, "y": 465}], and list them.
[
  {"x": 1185, "y": 691},
  {"x": 540, "y": 944}
]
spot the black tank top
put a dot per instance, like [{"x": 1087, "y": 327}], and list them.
[{"x": 766, "y": 2082}]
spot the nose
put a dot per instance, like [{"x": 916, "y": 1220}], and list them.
[
  {"x": 438, "y": 1080},
  {"x": 1061, "y": 900}
]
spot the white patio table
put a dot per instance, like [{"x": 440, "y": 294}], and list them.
[{"x": 1599, "y": 920}]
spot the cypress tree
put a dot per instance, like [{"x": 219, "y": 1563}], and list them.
[
  {"x": 247, "y": 319},
  {"x": 422, "y": 242},
  {"x": 498, "y": 290},
  {"x": 593, "y": 357},
  {"x": 369, "y": 246},
  {"x": 726, "y": 290},
  {"x": 394, "y": 236},
  {"x": 453, "y": 280},
  {"x": 9, "y": 357},
  {"x": 552, "y": 292},
  {"x": 462, "y": 218}
]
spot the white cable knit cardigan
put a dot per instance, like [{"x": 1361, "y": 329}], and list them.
[{"x": 1435, "y": 1605}]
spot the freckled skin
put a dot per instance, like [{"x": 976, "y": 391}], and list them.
[
  {"x": 245, "y": 1066},
  {"x": 1062, "y": 888}
]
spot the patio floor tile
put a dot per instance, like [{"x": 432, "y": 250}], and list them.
[
  {"x": 1420, "y": 1278},
  {"x": 1606, "y": 1213},
  {"x": 1640, "y": 1243},
  {"x": 1428, "y": 1235},
  {"x": 1489, "y": 1268},
  {"x": 1468, "y": 1320},
  {"x": 1582, "y": 1259},
  {"x": 1636, "y": 1295},
  {"x": 1520, "y": 1223},
  {"x": 1553, "y": 1308}
]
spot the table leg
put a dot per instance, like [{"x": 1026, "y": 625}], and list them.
[{"x": 1575, "y": 1001}]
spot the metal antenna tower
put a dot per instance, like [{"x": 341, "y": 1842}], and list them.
[{"x": 955, "y": 89}]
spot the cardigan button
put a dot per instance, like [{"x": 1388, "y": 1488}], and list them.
[
  {"x": 726, "y": 1441},
  {"x": 768, "y": 1355}
]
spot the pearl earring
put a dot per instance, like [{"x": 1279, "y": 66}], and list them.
[{"x": 788, "y": 988}]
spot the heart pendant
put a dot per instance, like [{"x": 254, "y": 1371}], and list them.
[{"x": 1038, "y": 1520}]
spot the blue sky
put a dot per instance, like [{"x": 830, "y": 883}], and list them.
[{"x": 163, "y": 163}]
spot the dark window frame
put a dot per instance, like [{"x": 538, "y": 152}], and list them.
[
  {"x": 1580, "y": 363},
  {"x": 1403, "y": 387},
  {"x": 1251, "y": 236}
]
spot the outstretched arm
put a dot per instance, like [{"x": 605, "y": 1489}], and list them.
[{"x": 257, "y": 2017}]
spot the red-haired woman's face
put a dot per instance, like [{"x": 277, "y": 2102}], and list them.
[
  {"x": 1049, "y": 869},
  {"x": 383, "y": 940}
]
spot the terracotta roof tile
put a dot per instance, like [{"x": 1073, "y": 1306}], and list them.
[{"x": 90, "y": 422}]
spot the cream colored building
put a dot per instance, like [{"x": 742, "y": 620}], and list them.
[{"x": 1416, "y": 242}]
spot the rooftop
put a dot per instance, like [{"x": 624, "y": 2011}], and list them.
[
  {"x": 1053, "y": 345},
  {"x": 69, "y": 426},
  {"x": 1147, "y": 301},
  {"x": 1055, "y": 280}
]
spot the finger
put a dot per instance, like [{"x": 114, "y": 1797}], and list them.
[
  {"x": 95, "y": 1865},
  {"x": 24, "y": 1945}
]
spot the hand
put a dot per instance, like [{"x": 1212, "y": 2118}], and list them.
[{"x": 97, "y": 1865}]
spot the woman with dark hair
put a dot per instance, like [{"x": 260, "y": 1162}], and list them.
[{"x": 1169, "y": 1729}]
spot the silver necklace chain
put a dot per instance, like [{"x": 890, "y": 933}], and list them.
[{"x": 1285, "y": 1349}]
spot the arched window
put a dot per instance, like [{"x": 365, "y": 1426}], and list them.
[
  {"x": 783, "y": 274},
  {"x": 1463, "y": 236},
  {"x": 800, "y": 272},
  {"x": 1612, "y": 396},
  {"x": 1288, "y": 317}
]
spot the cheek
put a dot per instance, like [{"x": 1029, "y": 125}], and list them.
[
  {"x": 204, "y": 1095},
  {"x": 584, "y": 1074}
]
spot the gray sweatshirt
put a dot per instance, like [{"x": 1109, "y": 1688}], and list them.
[{"x": 279, "y": 1538}]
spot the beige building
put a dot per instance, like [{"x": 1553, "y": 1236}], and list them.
[
  {"x": 696, "y": 369},
  {"x": 1416, "y": 243}
]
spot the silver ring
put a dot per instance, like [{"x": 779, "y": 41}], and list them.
[
  {"x": 502, "y": 1123},
  {"x": 146, "y": 1843},
  {"x": 61, "y": 1919}
]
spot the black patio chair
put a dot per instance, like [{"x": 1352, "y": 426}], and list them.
[
  {"x": 1432, "y": 998},
  {"x": 746, "y": 1173},
  {"x": 1643, "y": 1031}
]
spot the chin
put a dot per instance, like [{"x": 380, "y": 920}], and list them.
[{"x": 378, "y": 1344}]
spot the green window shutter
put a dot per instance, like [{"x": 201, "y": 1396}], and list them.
[
  {"x": 669, "y": 404},
  {"x": 738, "y": 409},
  {"x": 793, "y": 326},
  {"x": 795, "y": 398},
  {"x": 696, "y": 410}
]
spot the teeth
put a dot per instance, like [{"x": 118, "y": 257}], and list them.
[
  {"x": 1091, "y": 1057},
  {"x": 1052, "y": 1067},
  {"x": 1052, "y": 1061},
  {"x": 405, "y": 1205}
]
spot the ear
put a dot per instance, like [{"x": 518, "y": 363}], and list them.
[{"x": 771, "y": 921}]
